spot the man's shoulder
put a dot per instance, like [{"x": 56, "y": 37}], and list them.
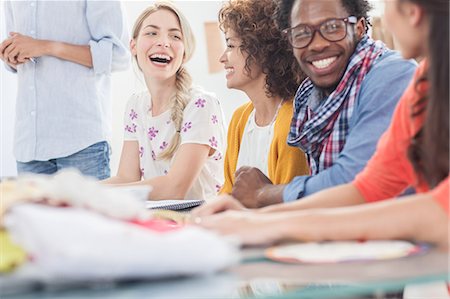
[
  {"x": 392, "y": 64},
  {"x": 391, "y": 71}
]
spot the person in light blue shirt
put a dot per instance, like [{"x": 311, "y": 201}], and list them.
[
  {"x": 342, "y": 108},
  {"x": 64, "y": 53}
]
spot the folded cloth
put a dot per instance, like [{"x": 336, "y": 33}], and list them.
[
  {"x": 79, "y": 244},
  {"x": 69, "y": 188}
]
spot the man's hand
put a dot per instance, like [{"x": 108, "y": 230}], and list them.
[
  {"x": 20, "y": 48},
  {"x": 254, "y": 190}
]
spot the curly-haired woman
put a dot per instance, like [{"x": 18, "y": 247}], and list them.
[{"x": 259, "y": 61}]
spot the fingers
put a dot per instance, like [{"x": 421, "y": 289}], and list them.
[
  {"x": 11, "y": 54},
  {"x": 218, "y": 205},
  {"x": 241, "y": 170},
  {"x": 22, "y": 59},
  {"x": 16, "y": 49},
  {"x": 4, "y": 45},
  {"x": 241, "y": 225}
]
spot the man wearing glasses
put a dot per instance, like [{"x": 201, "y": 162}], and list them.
[{"x": 344, "y": 105}]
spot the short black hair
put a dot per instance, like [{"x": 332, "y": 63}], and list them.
[{"x": 357, "y": 8}]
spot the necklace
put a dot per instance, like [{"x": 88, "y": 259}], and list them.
[{"x": 274, "y": 116}]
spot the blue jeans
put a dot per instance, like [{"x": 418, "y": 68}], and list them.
[{"x": 91, "y": 161}]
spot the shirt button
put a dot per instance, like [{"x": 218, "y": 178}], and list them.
[
  {"x": 33, "y": 113},
  {"x": 32, "y": 32},
  {"x": 32, "y": 4},
  {"x": 31, "y": 87}
]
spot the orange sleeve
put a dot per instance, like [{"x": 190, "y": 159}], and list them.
[
  {"x": 441, "y": 195},
  {"x": 389, "y": 172}
]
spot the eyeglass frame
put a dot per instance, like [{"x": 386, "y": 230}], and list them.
[{"x": 316, "y": 28}]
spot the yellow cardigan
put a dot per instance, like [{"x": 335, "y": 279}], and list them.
[{"x": 285, "y": 162}]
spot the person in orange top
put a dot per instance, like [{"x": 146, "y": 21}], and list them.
[
  {"x": 396, "y": 147},
  {"x": 414, "y": 151}
]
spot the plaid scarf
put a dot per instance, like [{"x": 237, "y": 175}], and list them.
[{"x": 321, "y": 134}]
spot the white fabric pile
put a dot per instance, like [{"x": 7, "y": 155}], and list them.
[{"x": 93, "y": 239}]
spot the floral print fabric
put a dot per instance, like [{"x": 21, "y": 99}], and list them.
[{"x": 202, "y": 124}]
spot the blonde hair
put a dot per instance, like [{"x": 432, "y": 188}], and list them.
[{"x": 183, "y": 81}]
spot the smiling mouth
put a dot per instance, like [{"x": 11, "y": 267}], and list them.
[
  {"x": 323, "y": 63},
  {"x": 160, "y": 58},
  {"x": 229, "y": 70}
]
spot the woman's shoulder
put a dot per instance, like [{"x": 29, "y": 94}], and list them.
[
  {"x": 199, "y": 92},
  {"x": 243, "y": 111},
  {"x": 200, "y": 98},
  {"x": 139, "y": 98}
]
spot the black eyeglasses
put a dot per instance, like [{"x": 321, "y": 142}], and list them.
[{"x": 332, "y": 30}]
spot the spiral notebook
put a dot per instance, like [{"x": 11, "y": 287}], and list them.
[
  {"x": 175, "y": 204},
  {"x": 141, "y": 192}
]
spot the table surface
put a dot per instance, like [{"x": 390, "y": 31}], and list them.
[{"x": 259, "y": 277}]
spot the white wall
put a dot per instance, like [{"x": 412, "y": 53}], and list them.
[{"x": 125, "y": 83}]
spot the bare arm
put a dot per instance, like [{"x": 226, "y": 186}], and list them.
[
  {"x": 186, "y": 167},
  {"x": 129, "y": 170},
  {"x": 20, "y": 48},
  {"x": 343, "y": 195},
  {"x": 339, "y": 196},
  {"x": 416, "y": 217}
]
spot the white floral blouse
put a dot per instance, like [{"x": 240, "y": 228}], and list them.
[{"x": 202, "y": 124}]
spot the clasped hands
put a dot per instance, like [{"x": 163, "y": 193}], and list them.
[{"x": 18, "y": 49}]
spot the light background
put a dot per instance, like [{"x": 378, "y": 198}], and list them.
[{"x": 125, "y": 83}]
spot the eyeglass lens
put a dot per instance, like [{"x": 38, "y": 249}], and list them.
[{"x": 331, "y": 30}]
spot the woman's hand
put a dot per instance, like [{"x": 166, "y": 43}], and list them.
[
  {"x": 248, "y": 227},
  {"x": 221, "y": 204}
]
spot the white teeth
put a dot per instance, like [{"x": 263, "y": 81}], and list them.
[
  {"x": 229, "y": 70},
  {"x": 162, "y": 56},
  {"x": 321, "y": 64}
]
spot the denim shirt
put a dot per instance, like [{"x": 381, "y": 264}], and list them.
[
  {"x": 63, "y": 107},
  {"x": 380, "y": 91}
]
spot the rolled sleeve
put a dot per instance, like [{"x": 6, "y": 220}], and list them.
[
  {"x": 101, "y": 52},
  {"x": 295, "y": 189},
  {"x": 110, "y": 37}
]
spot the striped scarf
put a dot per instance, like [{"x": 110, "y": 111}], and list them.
[{"x": 321, "y": 134}]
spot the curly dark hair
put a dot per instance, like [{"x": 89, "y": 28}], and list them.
[
  {"x": 253, "y": 22},
  {"x": 357, "y": 8}
]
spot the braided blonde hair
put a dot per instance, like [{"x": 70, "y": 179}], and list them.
[{"x": 183, "y": 82}]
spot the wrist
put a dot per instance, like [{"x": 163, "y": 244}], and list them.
[
  {"x": 50, "y": 48},
  {"x": 269, "y": 195}
]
